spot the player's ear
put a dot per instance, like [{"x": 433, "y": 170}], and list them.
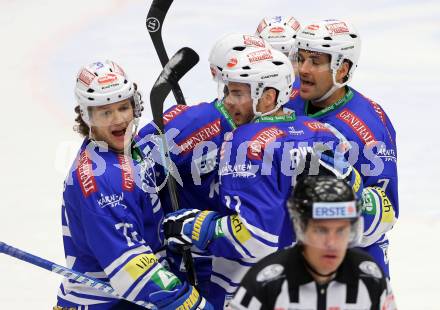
[
  {"x": 342, "y": 73},
  {"x": 270, "y": 97}
]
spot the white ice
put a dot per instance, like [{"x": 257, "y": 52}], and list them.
[{"x": 43, "y": 44}]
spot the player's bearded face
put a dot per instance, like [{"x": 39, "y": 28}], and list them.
[
  {"x": 113, "y": 124},
  {"x": 325, "y": 243},
  {"x": 238, "y": 103},
  {"x": 315, "y": 74}
]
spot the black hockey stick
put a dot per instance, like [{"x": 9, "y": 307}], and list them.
[
  {"x": 173, "y": 71},
  {"x": 155, "y": 18}
]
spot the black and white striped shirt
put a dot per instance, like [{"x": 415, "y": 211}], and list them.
[{"x": 281, "y": 281}]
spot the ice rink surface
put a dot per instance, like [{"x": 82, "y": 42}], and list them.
[{"x": 43, "y": 44}]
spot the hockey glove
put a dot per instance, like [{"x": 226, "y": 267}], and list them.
[
  {"x": 188, "y": 227},
  {"x": 186, "y": 297}
]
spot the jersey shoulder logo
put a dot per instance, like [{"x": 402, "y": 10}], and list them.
[
  {"x": 173, "y": 113},
  {"x": 259, "y": 142},
  {"x": 357, "y": 125},
  {"x": 205, "y": 133},
  {"x": 85, "y": 174},
  {"x": 270, "y": 273}
]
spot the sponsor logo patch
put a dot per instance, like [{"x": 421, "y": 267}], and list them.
[
  {"x": 85, "y": 175},
  {"x": 357, "y": 125},
  {"x": 387, "y": 154},
  {"x": 232, "y": 62},
  {"x": 107, "y": 79},
  {"x": 171, "y": 114},
  {"x": 238, "y": 171},
  {"x": 253, "y": 41},
  {"x": 111, "y": 201},
  {"x": 337, "y": 28},
  {"x": 276, "y": 29},
  {"x": 261, "y": 140},
  {"x": 260, "y": 55},
  {"x": 333, "y": 210},
  {"x": 316, "y": 126},
  {"x": 205, "y": 133},
  {"x": 139, "y": 265},
  {"x": 293, "y": 23},
  {"x": 127, "y": 173},
  {"x": 261, "y": 26},
  {"x": 313, "y": 27},
  {"x": 239, "y": 230},
  {"x": 86, "y": 77}
]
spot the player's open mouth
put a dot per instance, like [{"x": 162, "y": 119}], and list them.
[
  {"x": 119, "y": 133},
  {"x": 308, "y": 83}
]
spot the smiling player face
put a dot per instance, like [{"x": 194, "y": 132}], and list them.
[{"x": 113, "y": 123}]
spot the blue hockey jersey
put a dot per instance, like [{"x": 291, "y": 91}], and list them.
[
  {"x": 258, "y": 169},
  {"x": 373, "y": 153},
  {"x": 111, "y": 228},
  {"x": 194, "y": 135}
]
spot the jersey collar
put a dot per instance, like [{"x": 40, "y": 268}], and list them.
[
  {"x": 276, "y": 119},
  {"x": 341, "y": 102},
  {"x": 221, "y": 108}
]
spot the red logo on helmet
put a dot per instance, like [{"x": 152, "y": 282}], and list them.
[
  {"x": 276, "y": 29},
  {"x": 337, "y": 28},
  {"x": 107, "y": 79},
  {"x": 253, "y": 41},
  {"x": 313, "y": 27},
  {"x": 261, "y": 26},
  {"x": 86, "y": 77},
  {"x": 232, "y": 62}
]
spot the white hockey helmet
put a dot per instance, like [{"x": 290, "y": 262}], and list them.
[
  {"x": 102, "y": 83},
  {"x": 261, "y": 68},
  {"x": 279, "y": 31},
  {"x": 234, "y": 41},
  {"x": 339, "y": 39}
]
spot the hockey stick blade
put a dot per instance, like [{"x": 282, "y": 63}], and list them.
[
  {"x": 64, "y": 271},
  {"x": 154, "y": 23},
  {"x": 174, "y": 70}
]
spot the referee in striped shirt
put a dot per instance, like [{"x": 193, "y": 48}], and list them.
[{"x": 321, "y": 271}]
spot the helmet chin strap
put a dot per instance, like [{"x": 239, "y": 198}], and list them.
[{"x": 332, "y": 90}]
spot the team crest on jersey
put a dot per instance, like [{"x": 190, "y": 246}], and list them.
[
  {"x": 259, "y": 142},
  {"x": 370, "y": 268},
  {"x": 85, "y": 174},
  {"x": 357, "y": 125},
  {"x": 270, "y": 273},
  {"x": 170, "y": 115},
  {"x": 205, "y": 133},
  {"x": 127, "y": 173}
]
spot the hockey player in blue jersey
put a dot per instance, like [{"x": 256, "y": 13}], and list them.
[
  {"x": 327, "y": 56},
  {"x": 195, "y": 134},
  {"x": 111, "y": 214},
  {"x": 260, "y": 161}
]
